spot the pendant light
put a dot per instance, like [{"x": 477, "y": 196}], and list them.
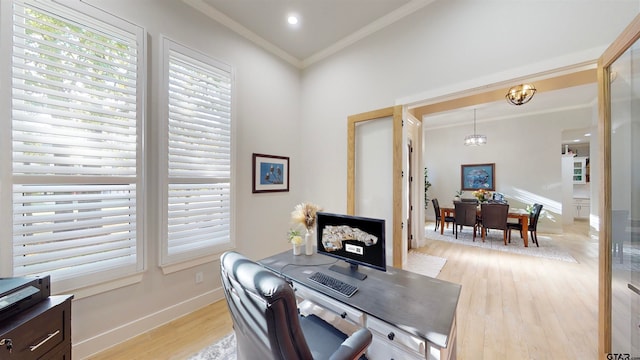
[
  {"x": 475, "y": 139},
  {"x": 520, "y": 94}
]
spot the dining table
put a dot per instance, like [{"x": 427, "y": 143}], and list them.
[{"x": 520, "y": 214}]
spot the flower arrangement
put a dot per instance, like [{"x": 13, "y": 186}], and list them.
[
  {"x": 482, "y": 194},
  {"x": 294, "y": 237},
  {"x": 305, "y": 214}
]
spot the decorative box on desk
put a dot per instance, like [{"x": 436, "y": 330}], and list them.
[{"x": 43, "y": 331}]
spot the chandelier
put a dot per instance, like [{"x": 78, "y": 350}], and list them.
[
  {"x": 520, "y": 94},
  {"x": 475, "y": 139}
]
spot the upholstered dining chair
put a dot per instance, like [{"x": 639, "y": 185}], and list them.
[
  {"x": 436, "y": 208},
  {"x": 267, "y": 323},
  {"x": 494, "y": 216},
  {"x": 532, "y": 226},
  {"x": 464, "y": 214}
]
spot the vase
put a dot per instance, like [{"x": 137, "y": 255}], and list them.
[
  {"x": 297, "y": 249},
  {"x": 308, "y": 243}
]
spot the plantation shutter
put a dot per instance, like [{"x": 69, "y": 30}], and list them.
[
  {"x": 199, "y": 154},
  {"x": 76, "y": 127}
]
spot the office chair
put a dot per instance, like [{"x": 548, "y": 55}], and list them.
[{"x": 267, "y": 323}]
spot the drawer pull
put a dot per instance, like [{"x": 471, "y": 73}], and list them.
[
  {"x": 391, "y": 335},
  {"x": 49, "y": 337}
]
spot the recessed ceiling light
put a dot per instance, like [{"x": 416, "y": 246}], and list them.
[
  {"x": 587, "y": 134},
  {"x": 292, "y": 19}
]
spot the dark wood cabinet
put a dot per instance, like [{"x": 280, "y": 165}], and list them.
[{"x": 42, "y": 331}]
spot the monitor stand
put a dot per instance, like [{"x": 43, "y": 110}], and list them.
[{"x": 352, "y": 271}]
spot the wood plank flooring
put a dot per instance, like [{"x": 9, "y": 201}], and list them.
[{"x": 511, "y": 307}]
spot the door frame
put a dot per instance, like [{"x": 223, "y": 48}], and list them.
[
  {"x": 626, "y": 39},
  {"x": 395, "y": 112}
]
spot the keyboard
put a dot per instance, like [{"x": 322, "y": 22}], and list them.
[{"x": 334, "y": 284}]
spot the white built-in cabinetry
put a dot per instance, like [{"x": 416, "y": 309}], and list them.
[
  {"x": 581, "y": 208},
  {"x": 579, "y": 170}
]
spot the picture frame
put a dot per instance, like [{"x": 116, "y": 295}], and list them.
[
  {"x": 270, "y": 173},
  {"x": 478, "y": 176}
]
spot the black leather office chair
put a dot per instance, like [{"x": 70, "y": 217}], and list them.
[{"x": 266, "y": 319}]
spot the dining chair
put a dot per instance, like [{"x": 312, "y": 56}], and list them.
[
  {"x": 619, "y": 233},
  {"x": 464, "y": 214},
  {"x": 436, "y": 208},
  {"x": 494, "y": 216},
  {"x": 533, "y": 224}
]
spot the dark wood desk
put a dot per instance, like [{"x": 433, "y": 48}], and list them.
[
  {"x": 522, "y": 216},
  {"x": 397, "y": 305}
]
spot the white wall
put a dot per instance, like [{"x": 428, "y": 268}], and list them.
[
  {"x": 279, "y": 111},
  {"x": 453, "y": 44},
  {"x": 267, "y": 111},
  {"x": 526, "y": 153}
]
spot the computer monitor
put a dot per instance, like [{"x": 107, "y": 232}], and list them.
[{"x": 355, "y": 239}]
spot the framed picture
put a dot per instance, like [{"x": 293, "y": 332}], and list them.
[
  {"x": 270, "y": 173},
  {"x": 478, "y": 176}
]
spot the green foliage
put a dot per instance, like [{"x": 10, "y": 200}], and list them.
[{"x": 427, "y": 185}]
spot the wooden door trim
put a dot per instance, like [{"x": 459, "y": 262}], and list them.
[
  {"x": 626, "y": 39},
  {"x": 396, "y": 113}
]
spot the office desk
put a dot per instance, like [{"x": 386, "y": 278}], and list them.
[
  {"x": 522, "y": 216},
  {"x": 411, "y": 316}
]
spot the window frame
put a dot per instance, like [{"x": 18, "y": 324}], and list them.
[
  {"x": 103, "y": 280},
  {"x": 172, "y": 263}
]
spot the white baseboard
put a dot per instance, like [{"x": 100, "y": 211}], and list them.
[{"x": 114, "y": 337}]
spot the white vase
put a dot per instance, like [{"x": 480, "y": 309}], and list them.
[
  {"x": 308, "y": 243},
  {"x": 297, "y": 249}
]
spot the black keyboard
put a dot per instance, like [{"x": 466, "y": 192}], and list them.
[{"x": 333, "y": 284}]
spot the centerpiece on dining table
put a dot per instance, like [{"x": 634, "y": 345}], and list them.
[{"x": 482, "y": 195}]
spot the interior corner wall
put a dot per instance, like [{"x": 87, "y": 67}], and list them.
[
  {"x": 266, "y": 121},
  {"x": 447, "y": 43}
]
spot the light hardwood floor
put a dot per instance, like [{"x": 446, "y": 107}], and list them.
[{"x": 511, "y": 307}]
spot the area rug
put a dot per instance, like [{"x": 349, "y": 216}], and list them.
[
  {"x": 225, "y": 348},
  {"x": 548, "y": 249},
  {"x": 424, "y": 264}
]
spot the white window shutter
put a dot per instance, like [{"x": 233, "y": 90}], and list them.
[
  {"x": 76, "y": 125},
  {"x": 199, "y": 133}
]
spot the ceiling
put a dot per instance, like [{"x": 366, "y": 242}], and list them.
[
  {"x": 328, "y": 26},
  {"x": 325, "y": 26}
]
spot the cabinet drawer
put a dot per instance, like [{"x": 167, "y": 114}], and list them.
[
  {"x": 396, "y": 336},
  {"x": 344, "y": 311},
  {"x": 383, "y": 349},
  {"x": 36, "y": 337}
]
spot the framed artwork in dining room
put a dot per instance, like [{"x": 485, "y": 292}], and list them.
[
  {"x": 270, "y": 173},
  {"x": 478, "y": 176}
]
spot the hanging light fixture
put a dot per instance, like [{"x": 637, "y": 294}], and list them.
[
  {"x": 475, "y": 139},
  {"x": 520, "y": 94}
]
